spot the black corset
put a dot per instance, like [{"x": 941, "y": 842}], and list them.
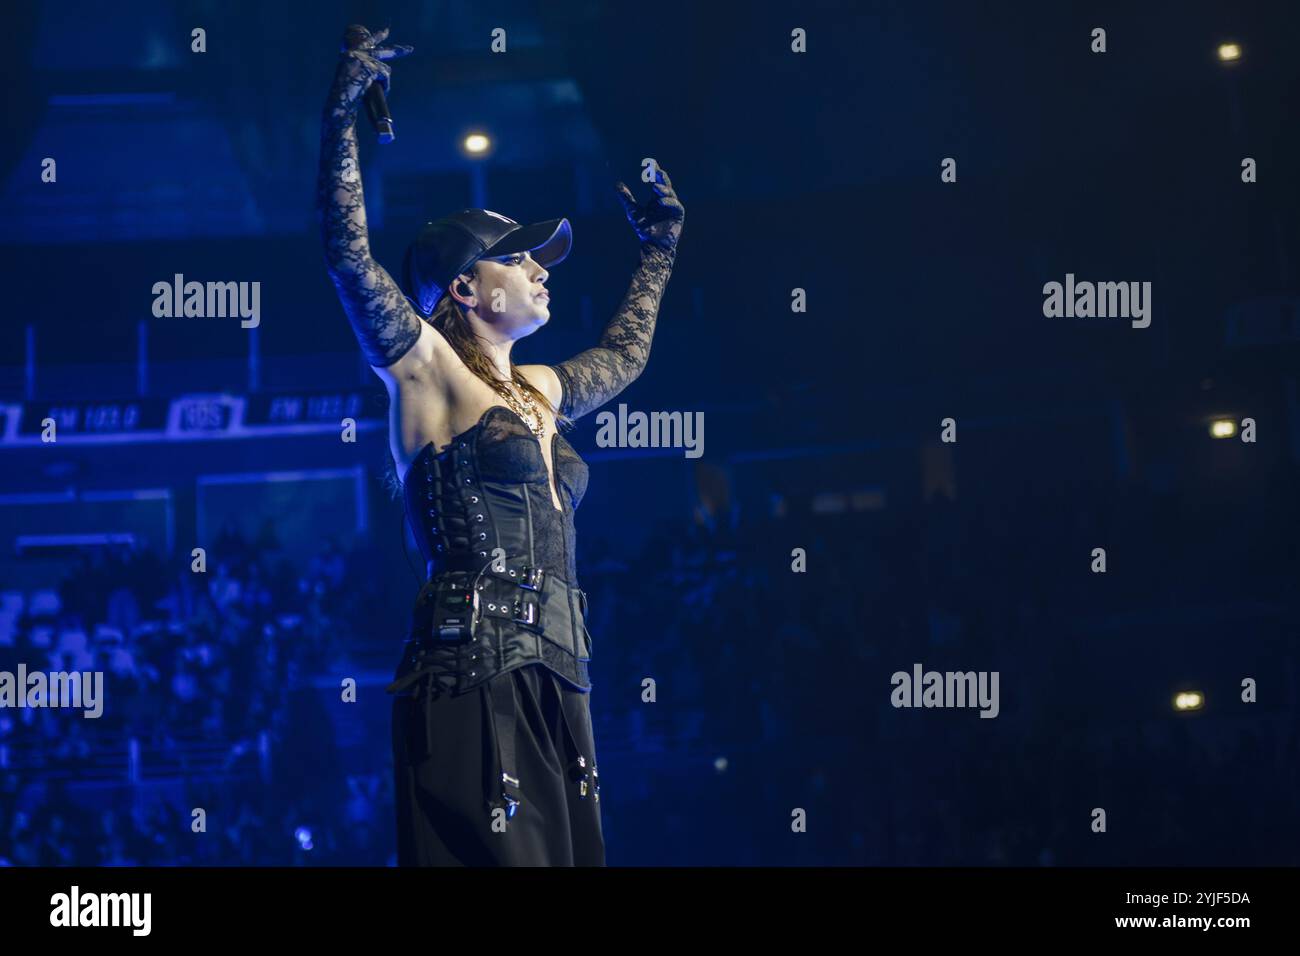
[{"x": 489, "y": 489}]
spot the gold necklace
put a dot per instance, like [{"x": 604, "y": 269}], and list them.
[{"x": 526, "y": 408}]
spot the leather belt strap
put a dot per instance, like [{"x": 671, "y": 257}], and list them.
[
  {"x": 502, "y": 707},
  {"x": 508, "y": 596},
  {"x": 514, "y": 570},
  {"x": 586, "y": 777}
]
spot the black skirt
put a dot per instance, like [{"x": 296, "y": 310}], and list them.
[{"x": 447, "y": 767}]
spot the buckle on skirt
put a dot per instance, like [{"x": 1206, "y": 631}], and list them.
[{"x": 512, "y": 803}]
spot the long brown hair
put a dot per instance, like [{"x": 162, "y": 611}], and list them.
[{"x": 449, "y": 317}]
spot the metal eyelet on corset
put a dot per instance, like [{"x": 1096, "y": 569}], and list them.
[
  {"x": 482, "y": 554},
  {"x": 492, "y": 607},
  {"x": 469, "y": 481},
  {"x": 439, "y": 547},
  {"x": 473, "y": 499},
  {"x": 432, "y": 513},
  {"x": 478, "y": 517},
  {"x": 512, "y": 572},
  {"x": 482, "y": 535}
]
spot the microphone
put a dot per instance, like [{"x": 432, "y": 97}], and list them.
[{"x": 377, "y": 110}]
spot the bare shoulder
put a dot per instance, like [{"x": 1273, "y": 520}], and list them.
[{"x": 545, "y": 379}]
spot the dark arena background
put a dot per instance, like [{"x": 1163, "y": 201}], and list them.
[{"x": 913, "y": 461}]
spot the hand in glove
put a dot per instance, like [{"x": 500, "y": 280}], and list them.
[
  {"x": 659, "y": 219},
  {"x": 362, "y": 63}
]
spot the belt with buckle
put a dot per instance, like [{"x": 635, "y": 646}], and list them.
[{"x": 451, "y": 606}]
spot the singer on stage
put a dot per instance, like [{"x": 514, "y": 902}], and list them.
[{"x": 493, "y": 752}]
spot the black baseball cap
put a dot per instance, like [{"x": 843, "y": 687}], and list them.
[{"x": 448, "y": 246}]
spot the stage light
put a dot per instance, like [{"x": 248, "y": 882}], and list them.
[
  {"x": 1229, "y": 52},
  {"x": 1223, "y": 428},
  {"x": 476, "y": 143},
  {"x": 1189, "y": 700}
]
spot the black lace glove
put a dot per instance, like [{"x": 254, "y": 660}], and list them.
[
  {"x": 592, "y": 378},
  {"x": 659, "y": 219},
  {"x": 384, "y": 323},
  {"x": 361, "y": 63}
]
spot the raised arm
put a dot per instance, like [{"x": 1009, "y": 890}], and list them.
[
  {"x": 592, "y": 378},
  {"x": 384, "y": 323}
]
